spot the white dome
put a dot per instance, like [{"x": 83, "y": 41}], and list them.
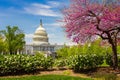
[
  {"x": 40, "y": 28},
  {"x": 40, "y": 36}
]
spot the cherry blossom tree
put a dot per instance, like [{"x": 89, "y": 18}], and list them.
[{"x": 85, "y": 19}]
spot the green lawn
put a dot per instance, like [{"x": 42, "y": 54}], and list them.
[{"x": 47, "y": 77}]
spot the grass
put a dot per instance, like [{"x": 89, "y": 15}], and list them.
[
  {"x": 66, "y": 72},
  {"x": 104, "y": 64},
  {"x": 106, "y": 76},
  {"x": 47, "y": 77}
]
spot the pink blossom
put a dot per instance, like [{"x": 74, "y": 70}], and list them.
[{"x": 81, "y": 19}]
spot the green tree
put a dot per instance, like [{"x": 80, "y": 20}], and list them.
[
  {"x": 97, "y": 47},
  {"x": 2, "y": 46},
  {"x": 63, "y": 52},
  {"x": 14, "y": 39}
]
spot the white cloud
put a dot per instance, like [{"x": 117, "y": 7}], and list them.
[
  {"x": 54, "y": 3},
  {"x": 28, "y": 38},
  {"x": 40, "y": 5},
  {"x": 40, "y": 9},
  {"x": 52, "y": 35},
  {"x": 28, "y": 35},
  {"x": 58, "y": 24},
  {"x": 53, "y": 27}
]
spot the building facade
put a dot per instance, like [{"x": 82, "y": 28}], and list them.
[{"x": 41, "y": 43}]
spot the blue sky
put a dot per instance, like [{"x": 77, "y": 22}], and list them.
[{"x": 27, "y": 14}]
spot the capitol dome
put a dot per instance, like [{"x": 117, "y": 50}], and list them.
[{"x": 40, "y": 36}]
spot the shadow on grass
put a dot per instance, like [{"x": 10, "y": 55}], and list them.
[
  {"x": 86, "y": 71},
  {"x": 19, "y": 73},
  {"x": 34, "y": 72}
]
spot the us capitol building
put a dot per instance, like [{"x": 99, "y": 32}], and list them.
[{"x": 41, "y": 43}]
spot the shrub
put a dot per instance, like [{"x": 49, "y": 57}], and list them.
[
  {"x": 82, "y": 62},
  {"x": 43, "y": 62},
  {"x": 17, "y": 63},
  {"x": 61, "y": 63},
  {"x": 47, "y": 63},
  {"x": 39, "y": 59},
  {"x": 108, "y": 59},
  {"x": 12, "y": 64}
]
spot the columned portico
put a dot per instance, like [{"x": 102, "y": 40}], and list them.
[{"x": 43, "y": 48}]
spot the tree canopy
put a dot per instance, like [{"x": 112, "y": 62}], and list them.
[
  {"x": 2, "y": 44},
  {"x": 85, "y": 19},
  {"x": 14, "y": 39}
]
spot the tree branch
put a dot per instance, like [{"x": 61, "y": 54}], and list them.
[
  {"x": 103, "y": 37},
  {"x": 98, "y": 20}
]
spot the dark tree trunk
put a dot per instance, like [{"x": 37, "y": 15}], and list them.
[
  {"x": 19, "y": 51},
  {"x": 11, "y": 51},
  {"x": 112, "y": 39},
  {"x": 114, "y": 56}
]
